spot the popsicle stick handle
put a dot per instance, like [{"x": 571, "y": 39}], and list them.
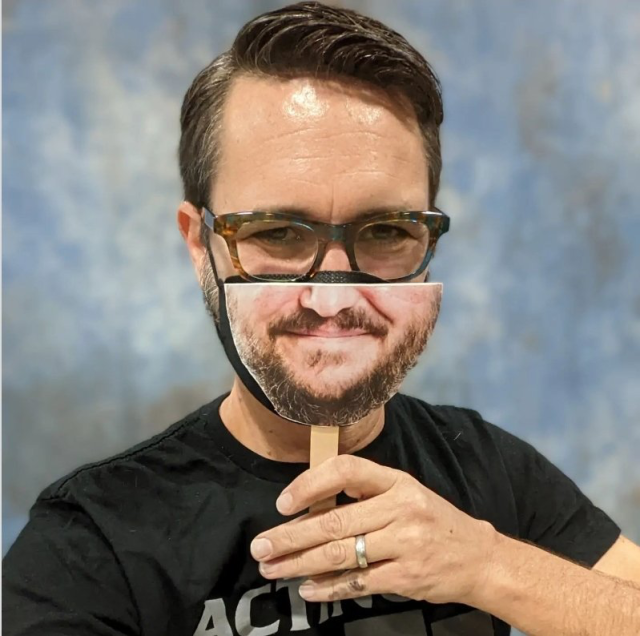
[{"x": 324, "y": 445}]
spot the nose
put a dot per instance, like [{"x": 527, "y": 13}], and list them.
[{"x": 329, "y": 300}]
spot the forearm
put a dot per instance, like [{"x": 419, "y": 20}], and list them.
[{"x": 542, "y": 594}]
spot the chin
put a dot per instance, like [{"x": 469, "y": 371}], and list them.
[
  {"x": 326, "y": 390},
  {"x": 329, "y": 378}
]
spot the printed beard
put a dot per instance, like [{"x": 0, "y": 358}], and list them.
[{"x": 328, "y": 396}]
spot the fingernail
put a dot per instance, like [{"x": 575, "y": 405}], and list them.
[
  {"x": 266, "y": 569},
  {"x": 284, "y": 503},
  {"x": 261, "y": 548},
  {"x": 307, "y": 590}
]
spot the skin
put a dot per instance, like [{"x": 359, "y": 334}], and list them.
[{"x": 336, "y": 151}]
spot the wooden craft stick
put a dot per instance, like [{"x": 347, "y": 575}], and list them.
[{"x": 324, "y": 445}]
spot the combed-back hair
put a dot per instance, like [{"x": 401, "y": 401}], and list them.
[{"x": 307, "y": 39}]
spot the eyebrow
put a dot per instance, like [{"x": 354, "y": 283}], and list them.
[{"x": 310, "y": 215}]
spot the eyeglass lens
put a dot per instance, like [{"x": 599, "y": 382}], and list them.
[{"x": 390, "y": 249}]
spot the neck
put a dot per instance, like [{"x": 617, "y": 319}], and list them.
[{"x": 273, "y": 437}]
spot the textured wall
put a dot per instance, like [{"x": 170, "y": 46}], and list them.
[{"x": 105, "y": 337}]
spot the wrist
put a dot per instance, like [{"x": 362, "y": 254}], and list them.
[{"x": 490, "y": 545}]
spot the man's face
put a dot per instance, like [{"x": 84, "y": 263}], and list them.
[{"x": 333, "y": 153}]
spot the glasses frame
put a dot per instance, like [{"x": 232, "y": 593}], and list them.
[{"x": 228, "y": 225}]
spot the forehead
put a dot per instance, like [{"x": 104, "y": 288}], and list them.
[{"x": 326, "y": 145}]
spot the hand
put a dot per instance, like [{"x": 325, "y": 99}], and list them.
[{"x": 418, "y": 545}]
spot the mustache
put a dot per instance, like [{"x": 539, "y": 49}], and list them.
[{"x": 347, "y": 319}]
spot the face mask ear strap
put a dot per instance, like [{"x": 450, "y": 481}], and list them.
[
  {"x": 223, "y": 328},
  {"x": 208, "y": 220}
]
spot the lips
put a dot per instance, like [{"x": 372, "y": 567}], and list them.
[{"x": 329, "y": 333}]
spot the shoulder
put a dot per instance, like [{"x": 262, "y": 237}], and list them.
[
  {"x": 479, "y": 461},
  {"x": 460, "y": 427},
  {"x": 458, "y": 455},
  {"x": 480, "y": 447},
  {"x": 162, "y": 456}
]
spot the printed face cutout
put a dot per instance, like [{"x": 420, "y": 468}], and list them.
[{"x": 329, "y": 354}]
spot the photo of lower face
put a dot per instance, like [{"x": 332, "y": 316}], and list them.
[{"x": 327, "y": 354}]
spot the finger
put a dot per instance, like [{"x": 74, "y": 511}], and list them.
[
  {"x": 380, "y": 578},
  {"x": 330, "y": 557},
  {"x": 329, "y": 525},
  {"x": 357, "y": 477}
]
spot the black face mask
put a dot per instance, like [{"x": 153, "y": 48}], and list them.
[{"x": 224, "y": 328}]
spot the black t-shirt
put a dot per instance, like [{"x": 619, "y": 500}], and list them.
[{"x": 155, "y": 541}]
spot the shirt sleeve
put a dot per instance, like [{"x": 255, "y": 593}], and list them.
[
  {"x": 552, "y": 511},
  {"x": 62, "y": 577}
]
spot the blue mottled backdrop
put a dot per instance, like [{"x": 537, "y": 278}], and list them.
[{"x": 106, "y": 340}]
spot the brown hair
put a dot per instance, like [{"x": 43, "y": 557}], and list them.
[{"x": 308, "y": 38}]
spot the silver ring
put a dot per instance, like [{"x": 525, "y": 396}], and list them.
[{"x": 361, "y": 552}]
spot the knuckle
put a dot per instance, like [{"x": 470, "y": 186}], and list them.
[
  {"x": 286, "y": 540},
  {"x": 393, "y": 583},
  {"x": 413, "y": 537},
  {"x": 296, "y": 563},
  {"x": 419, "y": 506},
  {"x": 346, "y": 465},
  {"x": 335, "y": 553},
  {"x": 332, "y": 524},
  {"x": 402, "y": 478}
]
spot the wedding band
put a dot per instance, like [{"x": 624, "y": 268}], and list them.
[{"x": 361, "y": 552}]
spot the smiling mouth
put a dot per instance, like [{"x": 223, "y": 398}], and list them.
[{"x": 329, "y": 333}]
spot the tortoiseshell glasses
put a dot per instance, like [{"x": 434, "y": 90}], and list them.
[{"x": 268, "y": 246}]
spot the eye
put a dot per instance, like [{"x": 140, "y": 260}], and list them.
[
  {"x": 385, "y": 232},
  {"x": 276, "y": 235}
]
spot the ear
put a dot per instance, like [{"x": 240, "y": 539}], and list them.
[{"x": 189, "y": 224}]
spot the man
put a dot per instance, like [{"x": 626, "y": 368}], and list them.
[{"x": 314, "y": 137}]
